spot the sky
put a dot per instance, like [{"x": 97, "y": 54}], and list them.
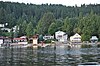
[{"x": 63, "y": 2}]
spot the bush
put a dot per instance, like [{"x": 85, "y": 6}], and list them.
[
  {"x": 86, "y": 46},
  {"x": 98, "y": 45},
  {"x": 47, "y": 41}
]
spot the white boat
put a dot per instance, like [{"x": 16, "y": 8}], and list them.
[{"x": 89, "y": 64}]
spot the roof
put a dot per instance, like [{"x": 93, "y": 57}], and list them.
[
  {"x": 77, "y": 35},
  {"x": 60, "y": 32},
  {"x": 23, "y": 37},
  {"x": 35, "y": 36},
  {"x": 94, "y": 38},
  {"x": 19, "y": 39},
  {"x": 1, "y": 37}
]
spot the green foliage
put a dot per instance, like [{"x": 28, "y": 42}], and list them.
[
  {"x": 45, "y": 22},
  {"x": 6, "y": 34},
  {"x": 29, "y": 30},
  {"x": 52, "y": 28},
  {"x": 85, "y": 46},
  {"x": 40, "y": 38},
  {"x": 48, "y": 41},
  {"x": 98, "y": 45},
  {"x": 46, "y": 19},
  {"x": 85, "y": 37}
]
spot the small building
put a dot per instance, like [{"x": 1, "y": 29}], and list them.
[
  {"x": 6, "y": 29},
  {"x": 1, "y": 41},
  {"x": 20, "y": 40},
  {"x": 5, "y": 41},
  {"x": 94, "y": 39},
  {"x": 61, "y": 36},
  {"x": 75, "y": 38},
  {"x": 48, "y": 37},
  {"x": 1, "y": 25},
  {"x": 35, "y": 39}
]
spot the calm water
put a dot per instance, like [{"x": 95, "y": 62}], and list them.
[{"x": 48, "y": 56}]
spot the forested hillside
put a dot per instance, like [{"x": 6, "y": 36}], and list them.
[{"x": 46, "y": 19}]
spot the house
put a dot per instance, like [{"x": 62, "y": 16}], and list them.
[
  {"x": 94, "y": 39},
  {"x": 6, "y": 29},
  {"x": 5, "y": 41},
  {"x": 20, "y": 40},
  {"x": 48, "y": 37},
  {"x": 35, "y": 39},
  {"x": 1, "y": 41},
  {"x": 1, "y": 25},
  {"x": 75, "y": 38},
  {"x": 61, "y": 36}
]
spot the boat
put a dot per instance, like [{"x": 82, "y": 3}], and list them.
[{"x": 89, "y": 64}]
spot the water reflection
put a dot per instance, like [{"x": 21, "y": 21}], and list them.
[{"x": 48, "y": 56}]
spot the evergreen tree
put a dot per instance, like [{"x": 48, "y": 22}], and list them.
[
  {"x": 52, "y": 29},
  {"x": 29, "y": 30},
  {"x": 45, "y": 22}
]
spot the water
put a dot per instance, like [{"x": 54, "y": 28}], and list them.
[{"x": 48, "y": 56}]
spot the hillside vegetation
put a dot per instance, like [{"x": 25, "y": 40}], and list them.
[{"x": 46, "y": 19}]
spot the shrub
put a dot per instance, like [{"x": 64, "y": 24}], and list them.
[
  {"x": 47, "y": 41},
  {"x": 98, "y": 45},
  {"x": 86, "y": 46}
]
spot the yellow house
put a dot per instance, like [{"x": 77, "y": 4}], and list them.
[{"x": 75, "y": 38}]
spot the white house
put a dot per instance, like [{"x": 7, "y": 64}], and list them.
[
  {"x": 94, "y": 39},
  {"x": 46, "y": 37},
  {"x": 1, "y": 25},
  {"x": 6, "y": 29},
  {"x": 5, "y": 41},
  {"x": 75, "y": 38},
  {"x": 20, "y": 41},
  {"x": 61, "y": 36},
  {"x": 1, "y": 41}
]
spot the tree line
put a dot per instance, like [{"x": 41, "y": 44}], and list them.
[{"x": 45, "y": 19}]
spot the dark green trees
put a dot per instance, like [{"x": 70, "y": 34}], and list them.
[
  {"x": 29, "y": 30},
  {"x": 44, "y": 23},
  {"x": 46, "y": 19}
]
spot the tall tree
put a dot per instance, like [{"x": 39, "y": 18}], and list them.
[
  {"x": 29, "y": 30},
  {"x": 52, "y": 28},
  {"x": 45, "y": 22},
  {"x": 67, "y": 26}
]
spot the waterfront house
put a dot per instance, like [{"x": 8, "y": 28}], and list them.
[
  {"x": 35, "y": 39},
  {"x": 5, "y": 41},
  {"x": 94, "y": 39},
  {"x": 46, "y": 37},
  {"x": 1, "y": 25},
  {"x": 6, "y": 29},
  {"x": 75, "y": 38},
  {"x": 20, "y": 40},
  {"x": 61, "y": 36},
  {"x": 1, "y": 41}
]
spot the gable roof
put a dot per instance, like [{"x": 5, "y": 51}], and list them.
[
  {"x": 94, "y": 38},
  {"x": 77, "y": 35},
  {"x": 58, "y": 32}
]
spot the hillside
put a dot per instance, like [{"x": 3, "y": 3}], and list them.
[{"x": 46, "y": 19}]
